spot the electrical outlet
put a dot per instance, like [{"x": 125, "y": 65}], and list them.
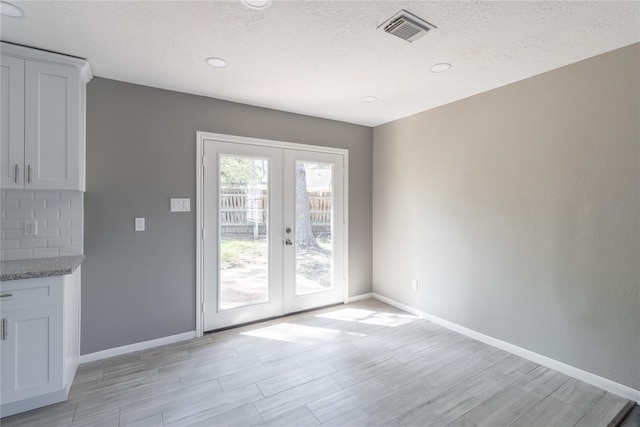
[
  {"x": 30, "y": 227},
  {"x": 139, "y": 224},
  {"x": 414, "y": 284}
]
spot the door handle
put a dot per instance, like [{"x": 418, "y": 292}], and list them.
[
  {"x": 288, "y": 242},
  {"x": 29, "y": 174},
  {"x": 4, "y": 329},
  {"x": 6, "y": 295},
  {"x": 15, "y": 173}
]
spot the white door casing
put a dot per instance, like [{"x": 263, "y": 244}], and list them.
[{"x": 283, "y": 297}]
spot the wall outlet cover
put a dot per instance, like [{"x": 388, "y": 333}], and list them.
[
  {"x": 30, "y": 227},
  {"x": 139, "y": 224}
]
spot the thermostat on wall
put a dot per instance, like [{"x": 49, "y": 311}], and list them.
[{"x": 180, "y": 205}]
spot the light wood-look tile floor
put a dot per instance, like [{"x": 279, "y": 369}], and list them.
[{"x": 362, "y": 364}]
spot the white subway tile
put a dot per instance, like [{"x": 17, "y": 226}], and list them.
[
  {"x": 33, "y": 243},
  {"x": 14, "y": 234},
  {"x": 58, "y": 222},
  {"x": 70, "y": 213},
  {"x": 18, "y": 194},
  {"x": 10, "y": 244},
  {"x": 18, "y": 254},
  {"x": 72, "y": 250},
  {"x": 59, "y": 242},
  {"x": 58, "y": 204},
  {"x": 69, "y": 232},
  {"x": 46, "y": 252},
  {"x": 18, "y": 213},
  {"x": 10, "y": 204},
  {"x": 77, "y": 241},
  {"x": 46, "y": 213},
  {"x": 77, "y": 222},
  {"x": 47, "y": 194},
  {"x": 32, "y": 204},
  {"x": 69, "y": 194},
  {"x": 11, "y": 224},
  {"x": 77, "y": 204},
  {"x": 47, "y": 232}
]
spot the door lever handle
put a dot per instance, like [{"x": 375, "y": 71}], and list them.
[{"x": 288, "y": 242}]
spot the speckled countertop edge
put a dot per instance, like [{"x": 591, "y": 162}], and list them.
[{"x": 43, "y": 267}]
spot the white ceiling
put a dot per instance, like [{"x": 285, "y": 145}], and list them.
[{"x": 321, "y": 57}]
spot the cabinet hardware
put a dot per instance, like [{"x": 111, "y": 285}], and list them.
[
  {"x": 29, "y": 174},
  {"x": 6, "y": 295},
  {"x": 16, "y": 168},
  {"x": 4, "y": 329}
]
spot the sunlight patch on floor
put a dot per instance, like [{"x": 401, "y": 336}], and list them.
[
  {"x": 297, "y": 333},
  {"x": 370, "y": 317}
]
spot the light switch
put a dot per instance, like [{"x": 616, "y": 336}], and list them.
[
  {"x": 180, "y": 205},
  {"x": 139, "y": 224}
]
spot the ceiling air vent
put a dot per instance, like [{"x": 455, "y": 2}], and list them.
[{"x": 407, "y": 26}]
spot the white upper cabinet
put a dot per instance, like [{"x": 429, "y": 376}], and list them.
[
  {"x": 43, "y": 119},
  {"x": 12, "y": 125}
]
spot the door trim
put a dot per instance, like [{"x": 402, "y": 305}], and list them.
[{"x": 200, "y": 138}]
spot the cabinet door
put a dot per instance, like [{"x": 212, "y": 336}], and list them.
[
  {"x": 52, "y": 124},
  {"x": 32, "y": 353},
  {"x": 12, "y": 125}
]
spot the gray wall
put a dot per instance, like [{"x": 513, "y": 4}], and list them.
[
  {"x": 518, "y": 212},
  {"x": 141, "y": 143}
]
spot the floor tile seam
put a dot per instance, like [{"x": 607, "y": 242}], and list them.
[
  {"x": 581, "y": 408},
  {"x": 98, "y": 390},
  {"x": 385, "y": 396},
  {"x": 534, "y": 407},
  {"x": 252, "y": 382},
  {"x": 480, "y": 373},
  {"x": 589, "y": 410},
  {"x": 548, "y": 394},
  {"x": 150, "y": 398},
  {"x": 92, "y": 414},
  {"x": 360, "y": 404},
  {"x": 300, "y": 384}
]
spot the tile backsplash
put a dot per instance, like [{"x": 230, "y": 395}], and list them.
[{"x": 59, "y": 216}]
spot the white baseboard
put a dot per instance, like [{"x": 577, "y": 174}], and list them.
[
  {"x": 359, "y": 297},
  {"x": 587, "y": 377},
  {"x": 117, "y": 351}
]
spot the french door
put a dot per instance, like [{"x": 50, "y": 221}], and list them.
[{"x": 273, "y": 222}]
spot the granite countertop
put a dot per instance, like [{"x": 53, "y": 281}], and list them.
[{"x": 43, "y": 267}]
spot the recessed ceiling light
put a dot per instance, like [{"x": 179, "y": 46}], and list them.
[
  {"x": 216, "y": 62},
  {"x": 11, "y": 10},
  {"x": 257, "y": 4},
  {"x": 440, "y": 68},
  {"x": 369, "y": 99}
]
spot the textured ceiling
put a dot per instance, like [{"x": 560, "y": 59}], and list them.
[{"x": 321, "y": 57}]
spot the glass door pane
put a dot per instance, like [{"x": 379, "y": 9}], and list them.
[
  {"x": 313, "y": 257},
  {"x": 244, "y": 212},
  {"x": 314, "y": 226},
  {"x": 242, "y": 237}
]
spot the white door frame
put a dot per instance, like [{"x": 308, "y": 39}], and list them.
[{"x": 200, "y": 162}]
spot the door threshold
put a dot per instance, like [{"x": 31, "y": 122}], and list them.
[{"x": 240, "y": 325}]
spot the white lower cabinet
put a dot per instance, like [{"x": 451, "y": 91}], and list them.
[{"x": 40, "y": 341}]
